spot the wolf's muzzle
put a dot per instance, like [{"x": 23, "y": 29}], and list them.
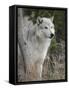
[{"x": 51, "y": 35}]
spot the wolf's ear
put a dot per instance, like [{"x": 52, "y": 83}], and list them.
[
  {"x": 39, "y": 20},
  {"x": 52, "y": 18}
]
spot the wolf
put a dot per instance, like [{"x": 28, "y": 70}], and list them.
[{"x": 34, "y": 41}]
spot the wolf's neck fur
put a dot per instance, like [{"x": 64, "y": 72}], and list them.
[{"x": 40, "y": 46}]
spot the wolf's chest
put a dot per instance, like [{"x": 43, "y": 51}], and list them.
[{"x": 34, "y": 52}]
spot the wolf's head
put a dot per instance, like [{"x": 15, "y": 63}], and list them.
[{"x": 45, "y": 27}]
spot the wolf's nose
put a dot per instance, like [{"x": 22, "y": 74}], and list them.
[{"x": 51, "y": 35}]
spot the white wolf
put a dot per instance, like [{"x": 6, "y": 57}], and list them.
[{"x": 34, "y": 41}]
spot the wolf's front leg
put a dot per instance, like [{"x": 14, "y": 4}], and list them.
[
  {"x": 33, "y": 72},
  {"x": 39, "y": 71}
]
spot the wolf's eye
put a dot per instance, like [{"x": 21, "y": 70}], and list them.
[
  {"x": 46, "y": 27},
  {"x": 51, "y": 26}
]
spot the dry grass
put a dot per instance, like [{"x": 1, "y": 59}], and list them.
[{"x": 53, "y": 67}]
